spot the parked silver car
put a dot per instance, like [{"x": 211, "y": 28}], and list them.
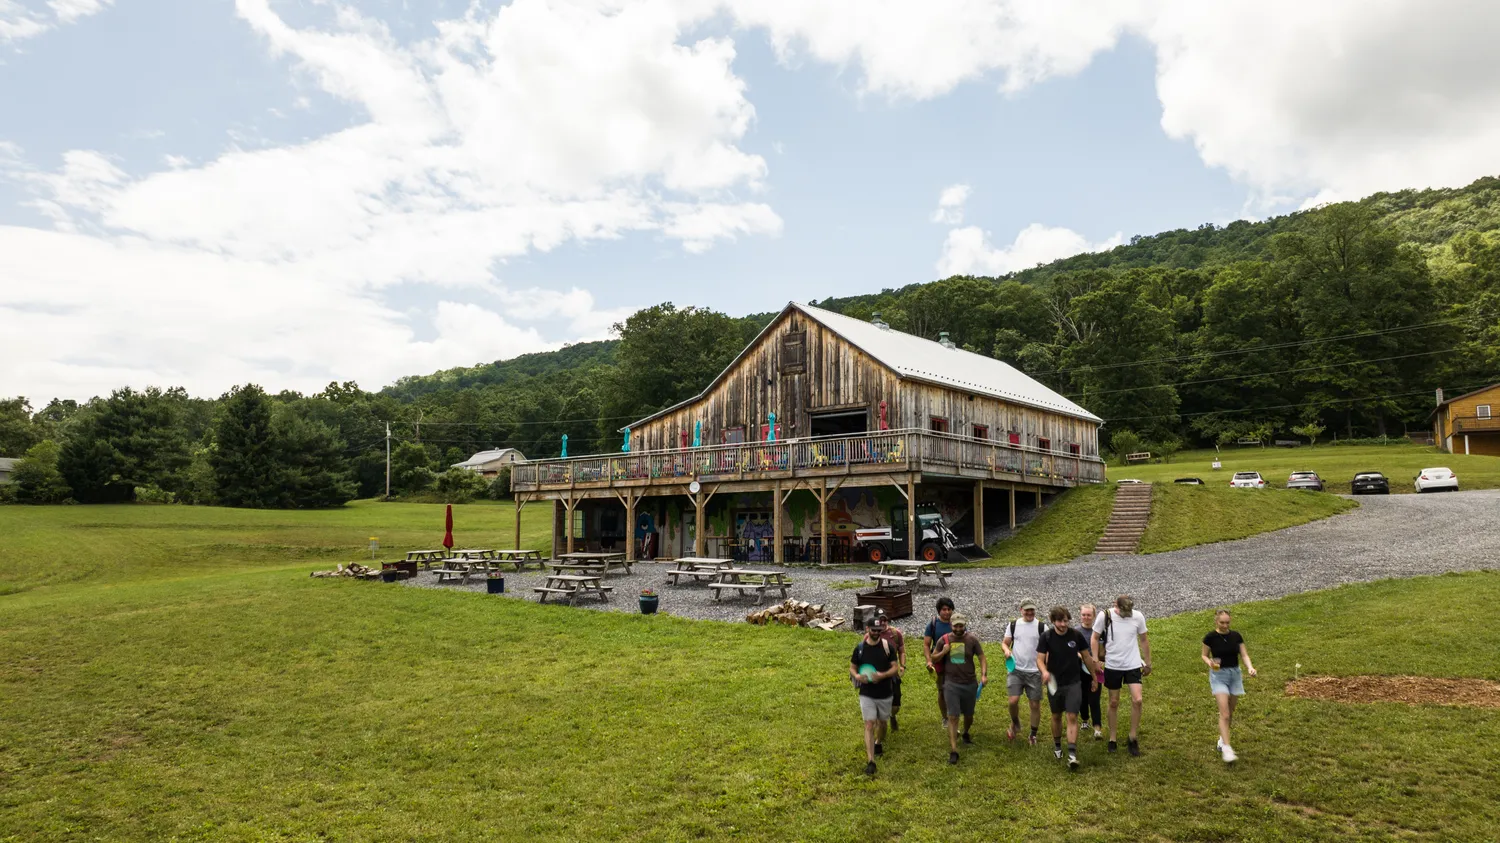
[{"x": 1305, "y": 480}]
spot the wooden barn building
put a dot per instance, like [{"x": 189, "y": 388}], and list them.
[{"x": 824, "y": 423}]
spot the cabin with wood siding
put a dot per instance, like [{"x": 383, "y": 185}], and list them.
[
  {"x": 1468, "y": 424},
  {"x": 823, "y": 416}
]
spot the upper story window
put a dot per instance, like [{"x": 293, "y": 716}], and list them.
[
  {"x": 1015, "y": 438},
  {"x": 794, "y": 351},
  {"x": 1074, "y": 449},
  {"x": 937, "y": 424},
  {"x": 1483, "y": 411},
  {"x": 981, "y": 431},
  {"x": 1044, "y": 444},
  {"x": 733, "y": 435}
]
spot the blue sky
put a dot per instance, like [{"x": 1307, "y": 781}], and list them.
[{"x": 294, "y": 192}]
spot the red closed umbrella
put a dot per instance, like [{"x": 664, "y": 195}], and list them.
[{"x": 448, "y": 529}]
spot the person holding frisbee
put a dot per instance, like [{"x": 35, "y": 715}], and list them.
[
  {"x": 1223, "y": 651},
  {"x": 1021, "y": 637},
  {"x": 1061, "y": 655},
  {"x": 872, "y": 667},
  {"x": 1120, "y": 634},
  {"x": 1092, "y": 685},
  {"x": 897, "y": 640},
  {"x": 936, "y": 629},
  {"x": 959, "y": 650}
]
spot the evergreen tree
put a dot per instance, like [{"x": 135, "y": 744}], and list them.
[
  {"x": 245, "y": 458},
  {"x": 127, "y": 440},
  {"x": 310, "y": 463}
]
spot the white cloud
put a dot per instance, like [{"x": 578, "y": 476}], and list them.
[
  {"x": 68, "y": 11},
  {"x": 546, "y": 123},
  {"x": 968, "y": 251},
  {"x": 950, "y": 209},
  {"x": 17, "y": 22}
]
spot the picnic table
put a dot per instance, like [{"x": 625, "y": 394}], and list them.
[
  {"x": 602, "y": 560},
  {"x": 573, "y": 586},
  {"x": 521, "y": 558},
  {"x": 475, "y": 553},
  {"x": 700, "y": 568},
  {"x": 458, "y": 569},
  {"x": 746, "y": 579},
  {"x": 426, "y": 557},
  {"x": 909, "y": 572}
]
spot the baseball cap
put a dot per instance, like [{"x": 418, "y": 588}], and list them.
[
  {"x": 1028, "y": 603},
  {"x": 880, "y": 621},
  {"x": 958, "y": 619}
]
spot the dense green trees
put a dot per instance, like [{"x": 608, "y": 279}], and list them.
[
  {"x": 36, "y": 477},
  {"x": 275, "y": 456},
  {"x": 127, "y": 440}
]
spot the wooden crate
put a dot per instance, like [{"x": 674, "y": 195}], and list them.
[{"x": 895, "y": 604}]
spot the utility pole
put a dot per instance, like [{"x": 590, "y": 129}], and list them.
[{"x": 387, "y": 460}]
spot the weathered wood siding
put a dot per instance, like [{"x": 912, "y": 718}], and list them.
[{"x": 836, "y": 375}]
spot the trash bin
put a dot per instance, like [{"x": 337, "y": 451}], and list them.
[{"x": 495, "y": 585}]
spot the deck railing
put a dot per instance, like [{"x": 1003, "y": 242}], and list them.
[
  {"x": 899, "y": 450},
  {"x": 1474, "y": 424}
]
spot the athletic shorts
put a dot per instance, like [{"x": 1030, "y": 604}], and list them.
[
  {"x": 875, "y": 709},
  {"x": 960, "y": 698},
  {"x": 1069, "y": 699},
  {"x": 1227, "y": 681},
  {"x": 1029, "y": 681},
  {"x": 1113, "y": 679}
]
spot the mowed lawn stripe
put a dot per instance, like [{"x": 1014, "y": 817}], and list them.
[{"x": 268, "y": 705}]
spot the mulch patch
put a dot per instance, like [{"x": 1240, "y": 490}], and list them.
[{"x": 1412, "y": 690}]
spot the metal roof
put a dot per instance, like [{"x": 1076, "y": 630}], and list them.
[
  {"x": 486, "y": 457},
  {"x": 915, "y": 358}
]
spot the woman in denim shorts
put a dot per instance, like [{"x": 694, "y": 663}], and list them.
[{"x": 1223, "y": 651}]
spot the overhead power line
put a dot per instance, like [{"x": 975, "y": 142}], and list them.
[{"x": 1295, "y": 406}]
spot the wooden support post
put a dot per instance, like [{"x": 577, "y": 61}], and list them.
[
  {"x": 912, "y": 539},
  {"x": 823, "y": 516},
  {"x": 571, "y": 504},
  {"x": 557, "y": 513},
  {"x": 520, "y": 503},
  {"x": 700, "y": 541},
  {"x": 631, "y": 499},
  {"x": 1012, "y": 506},
  {"x": 979, "y": 512},
  {"x": 1039, "y": 499},
  {"x": 777, "y": 554}
]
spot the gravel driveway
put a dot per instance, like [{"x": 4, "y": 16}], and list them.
[{"x": 1389, "y": 536}]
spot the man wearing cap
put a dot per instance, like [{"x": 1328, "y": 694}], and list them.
[
  {"x": 872, "y": 667},
  {"x": 897, "y": 639},
  {"x": 1021, "y": 638},
  {"x": 958, "y": 650}
]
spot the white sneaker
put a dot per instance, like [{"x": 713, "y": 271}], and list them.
[
  {"x": 1098, "y": 735},
  {"x": 1229, "y": 755}
]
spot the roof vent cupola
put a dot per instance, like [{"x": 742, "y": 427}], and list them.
[
  {"x": 944, "y": 341},
  {"x": 876, "y": 321}
]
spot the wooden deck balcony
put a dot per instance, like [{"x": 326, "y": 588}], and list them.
[
  {"x": 932, "y": 455},
  {"x": 1474, "y": 424}
]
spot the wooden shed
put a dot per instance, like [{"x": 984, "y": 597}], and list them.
[{"x": 819, "y": 405}]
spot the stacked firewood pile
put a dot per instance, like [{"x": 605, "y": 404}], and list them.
[
  {"x": 796, "y": 613},
  {"x": 353, "y": 569}
]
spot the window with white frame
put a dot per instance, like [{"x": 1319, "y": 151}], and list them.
[{"x": 1483, "y": 411}]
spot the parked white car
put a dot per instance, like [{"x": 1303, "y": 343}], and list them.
[
  {"x": 1435, "y": 478},
  {"x": 1247, "y": 480}
]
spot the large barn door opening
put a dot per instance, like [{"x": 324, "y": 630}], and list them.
[{"x": 840, "y": 423}]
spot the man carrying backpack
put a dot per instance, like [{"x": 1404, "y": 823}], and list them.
[
  {"x": 897, "y": 639},
  {"x": 1120, "y": 634},
  {"x": 934, "y": 633},
  {"x": 1021, "y": 638},
  {"x": 872, "y": 667},
  {"x": 1061, "y": 655}
]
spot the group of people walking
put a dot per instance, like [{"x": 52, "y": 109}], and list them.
[{"x": 1106, "y": 651}]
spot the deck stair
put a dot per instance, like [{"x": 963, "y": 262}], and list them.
[{"x": 1127, "y": 521}]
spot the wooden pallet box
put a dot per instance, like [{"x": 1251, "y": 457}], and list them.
[{"x": 895, "y": 604}]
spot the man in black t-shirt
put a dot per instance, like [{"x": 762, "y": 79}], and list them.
[
  {"x": 872, "y": 667},
  {"x": 1061, "y": 654}
]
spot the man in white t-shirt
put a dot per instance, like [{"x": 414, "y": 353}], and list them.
[
  {"x": 1127, "y": 658},
  {"x": 1019, "y": 643}
]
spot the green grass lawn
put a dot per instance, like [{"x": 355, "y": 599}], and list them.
[
  {"x": 1337, "y": 465},
  {"x": 1067, "y": 528},
  {"x": 62, "y": 544},
  {"x": 1183, "y": 516},
  {"x": 242, "y": 700}
]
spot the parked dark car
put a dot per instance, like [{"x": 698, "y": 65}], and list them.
[
  {"x": 1370, "y": 483},
  {"x": 1189, "y": 481},
  {"x": 1305, "y": 480}
]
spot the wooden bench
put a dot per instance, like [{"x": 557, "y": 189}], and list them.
[
  {"x": 887, "y": 579},
  {"x": 1139, "y": 456},
  {"x": 698, "y": 575},
  {"x": 450, "y": 574},
  {"x": 742, "y": 587}
]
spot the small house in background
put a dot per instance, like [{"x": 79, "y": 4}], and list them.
[
  {"x": 1468, "y": 424},
  {"x": 7, "y": 465},
  {"x": 488, "y": 463},
  {"x": 822, "y": 425}
]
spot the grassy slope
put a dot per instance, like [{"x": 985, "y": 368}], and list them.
[
  {"x": 1066, "y": 529},
  {"x": 54, "y": 545},
  {"x": 1336, "y": 464},
  {"x": 262, "y": 704},
  {"x": 1183, "y": 516}
]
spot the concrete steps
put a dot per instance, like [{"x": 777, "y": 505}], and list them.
[{"x": 1127, "y": 521}]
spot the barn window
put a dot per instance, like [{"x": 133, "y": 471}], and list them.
[
  {"x": 981, "y": 431},
  {"x": 1044, "y": 444},
  {"x": 1015, "y": 439},
  {"x": 1483, "y": 411},
  {"x": 793, "y": 351},
  {"x": 937, "y": 424},
  {"x": 734, "y": 435},
  {"x": 1074, "y": 449}
]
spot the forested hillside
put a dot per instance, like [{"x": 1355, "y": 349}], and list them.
[{"x": 1336, "y": 321}]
